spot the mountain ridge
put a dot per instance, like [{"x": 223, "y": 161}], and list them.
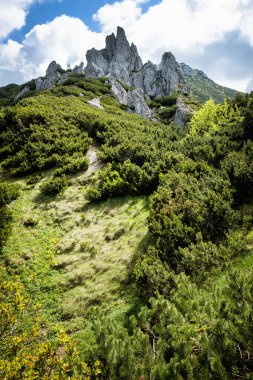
[
  {"x": 133, "y": 83},
  {"x": 204, "y": 88}
]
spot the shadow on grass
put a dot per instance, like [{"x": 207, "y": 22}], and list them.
[{"x": 113, "y": 203}]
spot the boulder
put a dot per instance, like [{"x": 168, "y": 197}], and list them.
[
  {"x": 96, "y": 103},
  {"x": 182, "y": 114}
]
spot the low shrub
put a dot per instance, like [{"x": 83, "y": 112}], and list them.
[
  {"x": 54, "y": 186},
  {"x": 8, "y": 193},
  {"x": 166, "y": 101},
  {"x": 167, "y": 113},
  {"x": 74, "y": 166}
]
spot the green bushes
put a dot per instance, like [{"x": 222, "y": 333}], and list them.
[
  {"x": 127, "y": 178},
  {"x": 167, "y": 113},
  {"x": 8, "y": 93},
  {"x": 110, "y": 184},
  {"x": 95, "y": 86},
  {"x": 8, "y": 193},
  {"x": 239, "y": 167},
  {"x": 35, "y": 137},
  {"x": 54, "y": 186},
  {"x": 192, "y": 334},
  {"x": 74, "y": 166},
  {"x": 184, "y": 206},
  {"x": 166, "y": 101}
]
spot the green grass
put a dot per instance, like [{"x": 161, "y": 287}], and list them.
[
  {"x": 74, "y": 256},
  {"x": 104, "y": 242}
]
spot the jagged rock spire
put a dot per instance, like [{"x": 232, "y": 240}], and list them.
[
  {"x": 121, "y": 60},
  {"x": 121, "y": 63},
  {"x": 117, "y": 59}
]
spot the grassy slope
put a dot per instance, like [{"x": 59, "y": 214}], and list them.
[
  {"x": 205, "y": 88},
  {"x": 95, "y": 247}
]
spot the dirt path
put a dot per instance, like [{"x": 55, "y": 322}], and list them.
[{"x": 95, "y": 163}]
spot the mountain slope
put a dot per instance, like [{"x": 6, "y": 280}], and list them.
[
  {"x": 134, "y": 236},
  {"x": 203, "y": 87}
]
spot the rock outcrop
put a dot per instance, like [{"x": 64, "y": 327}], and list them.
[
  {"x": 183, "y": 111},
  {"x": 119, "y": 92},
  {"x": 22, "y": 93},
  {"x": 79, "y": 69},
  {"x": 121, "y": 61},
  {"x": 96, "y": 103},
  {"x": 187, "y": 70},
  {"x": 132, "y": 82},
  {"x": 137, "y": 103},
  {"x": 118, "y": 59},
  {"x": 54, "y": 74},
  {"x": 134, "y": 99}
]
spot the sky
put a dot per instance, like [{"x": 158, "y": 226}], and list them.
[{"x": 215, "y": 36}]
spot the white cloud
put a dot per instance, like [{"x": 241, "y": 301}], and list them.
[
  {"x": 12, "y": 15},
  {"x": 178, "y": 25},
  {"x": 247, "y": 26},
  {"x": 9, "y": 54},
  {"x": 185, "y": 27},
  {"x": 119, "y": 13},
  {"x": 64, "y": 39}
]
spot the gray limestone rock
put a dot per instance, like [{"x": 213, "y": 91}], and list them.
[
  {"x": 119, "y": 72},
  {"x": 96, "y": 103},
  {"x": 172, "y": 74},
  {"x": 97, "y": 65},
  {"x": 39, "y": 83},
  {"x": 53, "y": 75},
  {"x": 137, "y": 103},
  {"x": 64, "y": 77},
  {"x": 117, "y": 59},
  {"x": 118, "y": 91},
  {"x": 53, "y": 68},
  {"x": 25, "y": 90},
  {"x": 135, "y": 62},
  {"x": 110, "y": 46},
  {"x": 122, "y": 51},
  {"x": 183, "y": 112},
  {"x": 137, "y": 79},
  {"x": 161, "y": 80},
  {"x": 149, "y": 78},
  {"x": 188, "y": 71},
  {"x": 79, "y": 69}
]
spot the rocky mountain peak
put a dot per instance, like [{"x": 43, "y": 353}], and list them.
[
  {"x": 53, "y": 68},
  {"x": 189, "y": 71},
  {"x": 110, "y": 46},
  {"x": 132, "y": 82},
  {"x": 121, "y": 60},
  {"x": 118, "y": 59}
]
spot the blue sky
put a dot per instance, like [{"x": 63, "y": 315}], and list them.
[
  {"x": 42, "y": 12},
  {"x": 215, "y": 36}
]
